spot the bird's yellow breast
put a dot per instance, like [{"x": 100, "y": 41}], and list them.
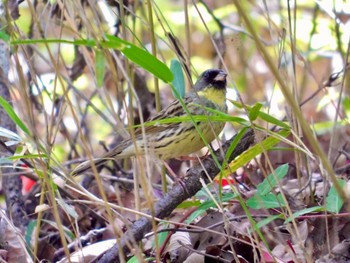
[{"x": 217, "y": 96}]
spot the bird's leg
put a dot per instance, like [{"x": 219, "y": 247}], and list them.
[
  {"x": 168, "y": 168},
  {"x": 193, "y": 158},
  {"x": 176, "y": 178}
]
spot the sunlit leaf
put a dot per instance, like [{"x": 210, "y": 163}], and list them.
[
  {"x": 141, "y": 57},
  {"x": 254, "y": 151}
]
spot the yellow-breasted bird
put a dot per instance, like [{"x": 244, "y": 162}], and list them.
[{"x": 171, "y": 140}]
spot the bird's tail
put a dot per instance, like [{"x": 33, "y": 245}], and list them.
[
  {"x": 124, "y": 150},
  {"x": 85, "y": 166}
]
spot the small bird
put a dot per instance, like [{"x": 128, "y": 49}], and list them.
[{"x": 175, "y": 139}]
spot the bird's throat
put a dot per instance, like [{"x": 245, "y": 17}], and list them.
[{"x": 217, "y": 96}]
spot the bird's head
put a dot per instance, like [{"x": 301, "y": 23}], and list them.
[{"x": 211, "y": 85}]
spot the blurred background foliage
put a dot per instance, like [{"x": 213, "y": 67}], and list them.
[{"x": 73, "y": 89}]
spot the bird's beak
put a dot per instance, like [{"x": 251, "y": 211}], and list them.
[{"x": 221, "y": 76}]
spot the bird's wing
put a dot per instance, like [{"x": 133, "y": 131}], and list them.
[{"x": 175, "y": 109}]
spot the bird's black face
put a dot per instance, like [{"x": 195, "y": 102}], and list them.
[{"x": 212, "y": 77}]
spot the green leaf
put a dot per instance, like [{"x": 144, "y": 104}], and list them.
[
  {"x": 266, "y": 201},
  {"x": 325, "y": 127},
  {"x": 271, "y": 181},
  {"x": 194, "y": 118},
  {"x": 268, "y": 220},
  {"x": 4, "y": 36},
  {"x": 189, "y": 203},
  {"x": 262, "y": 115},
  {"x": 230, "y": 150},
  {"x": 161, "y": 237},
  {"x": 254, "y": 111},
  {"x": 135, "y": 259},
  {"x": 209, "y": 204},
  {"x": 333, "y": 201},
  {"x": 27, "y": 156},
  {"x": 304, "y": 211},
  {"x": 66, "y": 230},
  {"x": 137, "y": 55},
  {"x": 100, "y": 63},
  {"x": 9, "y": 110},
  {"x": 29, "y": 231},
  {"x": 179, "y": 80},
  {"x": 141, "y": 57},
  {"x": 268, "y": 118},
  {"x": 254, "y": 151},
  {"x": 346, "y": 106},
  {"x": 226, "y": 117}
]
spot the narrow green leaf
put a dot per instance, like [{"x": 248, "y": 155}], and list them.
[
  {"x": 84, "y": 42},
  {"x": 209, "y": 204},
  {"x": 4, "y": 36},
  {"x": 222, "y": 118},
  {"x": 268, "y": 220},
  {"x": 231, "y": 149},
  {"x": 53, "y": 41},
  {"x": 237, "y": 104},
  {"x": 179, "y": 80},
  {"x": 161, "y": 237},
  {"x": 227, "y": 117},
  {"x": 346, "y": 106},
  {"x": 325, "y": 127},
  {"x": 137, "y": 55},
  {"x": 262, "y": 115},
  {"x": 8, "y": 108},
  {"x": 66, "y": 230},
  {"x": 27, "y": 156},
  {"x": 141, "y": 57},
  {"x": 254, "y": 111},
  {"x": 29, "y": 231},
  {"x": 266, "y": 201},
  {"x": 189, "y": 203},
  {"x": 254, "y": 151},
  {"x": 333, "y": 201},
  {"x": 271, "y": 181},
  {"x": 268, "y": 118},
  {"x": 133, "y": 259},
  {"x": 100, "y": 65},
  {"x": 304, "y": 211}
]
